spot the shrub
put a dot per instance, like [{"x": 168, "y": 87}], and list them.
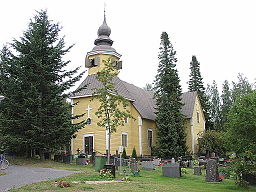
[
  {"x": 134, "y": 153},
  {"x": 124, "y": 154}
]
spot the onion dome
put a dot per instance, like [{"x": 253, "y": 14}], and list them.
[{"x": 104, "y": 32}]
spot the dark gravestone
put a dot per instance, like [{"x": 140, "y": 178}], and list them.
[
  {"x": 197, "y": 171},
  {"x": 250, "y": 178},
  {"x": 112, "y": 169},
  {"x": 81, "y": 161},
  {"x": 92, "y": 158},
  {"x": 172, "y": 170},
  {"x": 67, "y": 158},
  {"x": 212, "y": 174},
  {"x": 190, "y": 164}
]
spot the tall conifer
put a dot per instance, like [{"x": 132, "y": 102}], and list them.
[
  {"x": 196, "y": 84},
  {"x": 34, "y": 81},
  {"x": 226, "y": 102},
  {"x": 215, "y": 106},
  {"x": 169, "y": 120}
]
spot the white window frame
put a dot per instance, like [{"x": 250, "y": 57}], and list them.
[
  {"x": 148, "y": 138},
  {"x": 124, "y": 133}
]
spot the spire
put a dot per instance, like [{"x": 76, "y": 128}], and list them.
[
  {"x": 104, "y": 32},
  {"x": 103, "y": 44}
]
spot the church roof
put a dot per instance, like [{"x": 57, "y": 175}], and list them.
[{"x": 141, "y": 99}]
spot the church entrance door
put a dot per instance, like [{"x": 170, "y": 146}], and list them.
[{"x": 88, "y": 144}]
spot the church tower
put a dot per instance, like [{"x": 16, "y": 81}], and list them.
[{"x": 102, "y": 51}]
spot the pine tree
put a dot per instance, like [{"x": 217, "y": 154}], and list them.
[
  {"x": 169, "y": 120},
  {"x": 214, "y": 110},
  {"x": 196, "y": 84},
  {"x": 34, "y": 81},
  {"x": 226, "y": 102}
]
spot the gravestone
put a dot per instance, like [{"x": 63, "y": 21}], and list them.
[
  {"x": 134, "y": 166},
  {"x": 212, "y": 174},
  {"x": 197, "y": 171},
  {"x": 190, "y": 164},
  {"x": 148, "y": 165},
  {"x": 172, "y": 170}
]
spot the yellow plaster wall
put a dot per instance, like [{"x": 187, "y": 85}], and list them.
[
  {"x": 99, "y": 132},
  {"x": 197, "y": 127},
  {"x": 148, "y": 124},
  {"x": 187, "y": 127}
]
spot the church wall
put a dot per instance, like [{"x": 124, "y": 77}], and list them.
[
  {"x": 99, "y": 132},
  {"x": 135, "y": 132},
  {"x": 188, "y": 128},
  {"x": 197, "y": 126},
  {"x": 148, "y": 124}
]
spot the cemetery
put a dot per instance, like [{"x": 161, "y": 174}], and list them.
[{"x": 143, "y": 174}]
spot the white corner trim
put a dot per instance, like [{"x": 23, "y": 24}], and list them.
[{"x": 192, "y": 136}]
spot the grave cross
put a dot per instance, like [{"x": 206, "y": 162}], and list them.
[{"x": 88, "y": 111}]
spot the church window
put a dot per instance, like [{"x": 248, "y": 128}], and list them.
[
  {"x": 150, "y": 137},
  {"x": 124, "y": 139},
  {"x": 126, "y": 120},
  {"x": 197, "y": 117}
]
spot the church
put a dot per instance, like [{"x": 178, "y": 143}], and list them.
[{"x": 139, "y": 132}]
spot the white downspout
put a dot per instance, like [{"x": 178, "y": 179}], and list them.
[
  {"x": 140, "y": 134},
  {"x": 192, "y": 136},
  {"x": 72, "y": 121}
]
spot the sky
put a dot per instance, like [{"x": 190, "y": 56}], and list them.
[{"x": 221, "y": 33}]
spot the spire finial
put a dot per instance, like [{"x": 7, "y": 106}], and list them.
[{"x": 104, "y": 11}]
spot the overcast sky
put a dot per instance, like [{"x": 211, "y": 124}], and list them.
[{"x": 221, "y": 33}]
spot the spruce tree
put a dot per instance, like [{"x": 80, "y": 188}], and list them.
[
  {"x": 169, "y": 119},
  {"x": 214, "y": 110},
  {"x": 33, "y": 78},
  {"x": 226, "y": 102},
  {"x": 196, "y": 84}
]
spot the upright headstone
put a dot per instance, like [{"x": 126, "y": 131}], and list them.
[
  {"x": 172, "y": 170},
  {"x": 148, "y": 165},
  {"x": 190, "y": 164},
  {"x": 212, "y": 174}
]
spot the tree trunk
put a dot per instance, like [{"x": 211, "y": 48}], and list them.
[
  {"x": 41, "y": 154},
  {"x": 108, "y": 155}
]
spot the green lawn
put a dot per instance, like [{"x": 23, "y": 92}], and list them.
[{"x": 147, "y": 181}]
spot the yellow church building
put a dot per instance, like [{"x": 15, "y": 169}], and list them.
[{"x": 140, "y": 132}]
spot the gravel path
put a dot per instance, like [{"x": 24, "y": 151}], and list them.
[{"x": 18, "y": 176}]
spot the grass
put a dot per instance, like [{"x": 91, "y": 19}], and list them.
[{"x": 148, "y": 181}]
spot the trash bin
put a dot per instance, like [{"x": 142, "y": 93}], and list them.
[{"x": 100, "y": 161}]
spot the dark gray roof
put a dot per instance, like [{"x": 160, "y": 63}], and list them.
[
  {"x": 188, "y": 99},
  {"x": 141, "y": 99}
]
